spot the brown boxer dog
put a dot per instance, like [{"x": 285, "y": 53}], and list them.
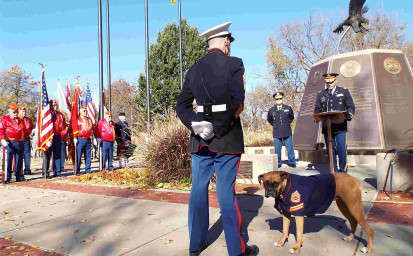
[{"x": 347, "y": 196}]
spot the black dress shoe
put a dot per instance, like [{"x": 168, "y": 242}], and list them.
[
  {"x": 279, "y": 166},
  {"x": 7, "y": 181},
  {"x": 198, "y": 252},
  {"x": 252, "y": 250},
  {"x": 292, "y": 165}
]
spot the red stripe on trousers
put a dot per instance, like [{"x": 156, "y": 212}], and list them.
[{"x": 239, "y": 214}]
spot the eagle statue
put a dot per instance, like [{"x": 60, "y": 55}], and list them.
[{"x": 355, "y": 17}]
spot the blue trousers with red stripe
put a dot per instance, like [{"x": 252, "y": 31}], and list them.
[{"x": 204, "y": 164}]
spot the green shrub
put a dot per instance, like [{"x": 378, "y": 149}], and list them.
[{"x": 166, "y": 152}]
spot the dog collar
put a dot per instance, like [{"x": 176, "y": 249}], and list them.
[{"x": 287, "y": 188}]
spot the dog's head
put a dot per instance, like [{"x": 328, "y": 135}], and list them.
[{"x": 273, "y": 183}]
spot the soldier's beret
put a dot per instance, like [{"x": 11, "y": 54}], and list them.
[
  {"x": 22, "y": 108},
  {"x": 13, "y": 107},
  {"x": 83, "y": 107},
  {"x": 108, "y": 113},
  {"x": 278, "y": 95},
  {"x": 218, "y": 31}
]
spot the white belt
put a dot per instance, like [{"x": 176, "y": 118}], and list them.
[{"x": 215, "y": 108}]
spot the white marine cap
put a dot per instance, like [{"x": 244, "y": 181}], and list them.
[{"x": 218, "y": 31}]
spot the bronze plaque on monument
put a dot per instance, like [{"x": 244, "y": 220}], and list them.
[{"x": 381, "y": 84}]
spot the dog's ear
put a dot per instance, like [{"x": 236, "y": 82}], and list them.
[
  {"x": 283, "y": 175},
  {"x": 260, "y": 178}
]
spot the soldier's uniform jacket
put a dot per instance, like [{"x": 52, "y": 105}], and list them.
[
  {"x": 59, "y": 122},
  {"x": 281, "y": 120},
  {"x": 11, "y": 129},
  {"x": 28, "y": 127},
  {"x": 85, "y": 127},
  {"x": 223, "y": 78},
  {"x": 105, "y": 130},
  {"x": 122, "y": 132},
  {"x": 306, "y": 196},
  {"x": 341, "y": 100}
]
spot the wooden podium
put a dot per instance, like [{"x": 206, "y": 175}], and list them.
[{"x": 328, "y": 116}]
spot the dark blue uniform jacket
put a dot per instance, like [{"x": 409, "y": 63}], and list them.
[
  {"x": 340, "y": 100},
  {"x": 224, "y": 82},
  {"x": 281, "y": 121},
  {"x": 306, "y": 196}
]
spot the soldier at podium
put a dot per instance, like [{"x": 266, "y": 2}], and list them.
[{"x": 335, "y": 98}]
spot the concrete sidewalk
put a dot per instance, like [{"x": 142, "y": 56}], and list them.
[{"x": 75, "y": 223}]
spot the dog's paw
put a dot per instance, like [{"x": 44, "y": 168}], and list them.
[
  {"x": 294, "y": 251},
  {"x": 364, "y": 249},
  {"x": 347, "y": 238},
  {"x": 278, "y": 244}
]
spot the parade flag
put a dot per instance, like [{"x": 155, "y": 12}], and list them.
[
  {"x": 89, "y": 105},
  {"x": 44, "y": 119},
  {"x": 173, "y": 1},
  {"x": 62, "y": 99},
  {"x": 68, "y": 95},
  {"x": 75, "y": 110}
]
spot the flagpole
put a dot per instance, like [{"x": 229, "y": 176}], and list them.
[
  {"x": 180, "y": 41},
  {"x": 100, "y": 58},
  {"x": 108, "y": 55},
  {"x": 147, "y": 66}
]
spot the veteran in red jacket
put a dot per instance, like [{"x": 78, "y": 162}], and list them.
[
  {"x": 59, "y": 125},
  {"x": 11, "y": 137},
  {"x": 82, "y": 140},
  {"x": 28, "y": 128},
  {"x": 105, "y": 133}
]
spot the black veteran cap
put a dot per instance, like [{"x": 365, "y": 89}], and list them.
[
  {"x": 218, "y": 31},
  {"x": 278, "y": 95},
  {"x": 121, "y": 114},
  {"x": 330, "y": 77}
]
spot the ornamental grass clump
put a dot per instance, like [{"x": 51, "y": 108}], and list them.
[
  {"x": 259, "y": 138},
  {"x": 166, "y": 153}
]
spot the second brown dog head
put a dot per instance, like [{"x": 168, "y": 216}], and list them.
[{"x": 274, "y": 182}]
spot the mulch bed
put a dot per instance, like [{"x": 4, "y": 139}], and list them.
[
  {"x": 389, "y": 213},
  {"x": 10, "y": 247}
]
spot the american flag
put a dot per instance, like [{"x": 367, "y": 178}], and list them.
[
  {"x": 89, "y": 105},
  {"x": 44, "y": 120}
]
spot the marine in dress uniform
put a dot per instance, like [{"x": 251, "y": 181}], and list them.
[
  {"x": 11, "y": 137},
  {"x": 28, "y": 128},
  {"x": 335, "y": 98},
  {"x": 123, "y": 139},
  {"x": 216, "y": 82},
  {"x": 82, "y": 140},
  {"x": 59, "y": 125},
  {"x": 105, "y": 133},
  {"x": 280, "y": 117}
]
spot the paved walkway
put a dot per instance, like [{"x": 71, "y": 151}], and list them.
[{"x": 70, "y": 219}]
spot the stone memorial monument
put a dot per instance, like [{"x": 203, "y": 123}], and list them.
[{"x": 381, "y": 84}]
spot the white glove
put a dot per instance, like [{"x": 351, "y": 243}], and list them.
[
  {"x": 4, "y": 143},
  {"x": 99, "y": 140},
  {"x": 75, "y": 141},
  {"x": 95, "y": 142},
  {"x": 207, "y": 134}
]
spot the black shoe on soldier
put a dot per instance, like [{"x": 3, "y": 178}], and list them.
[
  {"x": 198, "y": 252},
  {"x": 252, "y": 250}
]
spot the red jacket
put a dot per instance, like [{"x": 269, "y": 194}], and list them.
[
  {"x": 64, "y": 134},
  {"x": 59, "y": 123},
  {"x": 11, "y": 129},
  {"x": 28, "y": 127},
  {"x": 105, "y": 130},
  {"x": 85, "y": 127}
]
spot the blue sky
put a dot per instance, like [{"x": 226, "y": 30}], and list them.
[{"x": 64, "y": 34}]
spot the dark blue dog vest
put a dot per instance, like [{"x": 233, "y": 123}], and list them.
[{"x": 306, "y": 196}]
